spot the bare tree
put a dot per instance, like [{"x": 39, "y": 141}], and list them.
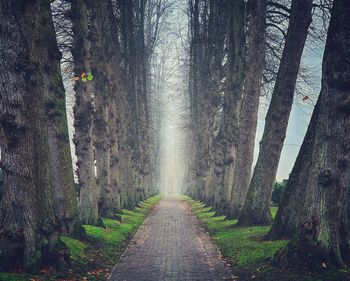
[
  {"x": 313, "y": 205},
  {"x": 83, "y": 115},
  {"x": 248, "y": 119},
  {"x": 256, "y": 207}
]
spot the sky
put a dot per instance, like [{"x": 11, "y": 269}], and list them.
[{"x": 300, "y": 114}]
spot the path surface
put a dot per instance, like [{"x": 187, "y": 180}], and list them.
[{"x": 171, "y": 246}]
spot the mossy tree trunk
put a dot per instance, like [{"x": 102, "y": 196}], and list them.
[
  {"x": 83, "y": 116},
  {"x": 256, "y": 210},
  {"x": 61, "y": 167},
  {"x": 28, "y": 227},
  {"x": 248, "y": 118},
  {"x": 313, "y": 208}
]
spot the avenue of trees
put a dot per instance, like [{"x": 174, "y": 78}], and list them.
[
  {"x": 113, "y": 54},
  {"x": 107, "y": 48},
  {"x": 238, "y": 50}
]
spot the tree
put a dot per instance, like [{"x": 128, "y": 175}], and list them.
[
  {"x": 83, "y": 115},
  {"x": 226, "y": 141},
  {"x": 28, "y": 227},
  {"x": 206, "y": 72},
  {"x": 65, "y": 203},
  {"x": 214, "y": 98},
  {"x": 248, "y": 118},
  {"x": 130, "y": 153},
  {"x": 312, "y": 210},
  {"x": 256, "y": 207},
  {"x": 107, "y": 89}
]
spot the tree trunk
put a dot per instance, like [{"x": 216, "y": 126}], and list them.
[
  {"x": 28, "y": 228},
  {"x": 216, "y": 52},
  {"x": 144, "y": 161},
  {"x": 248, "y": 118},
  {"x": 227, "y": 140},
  {"x": 129, "y": 141},
  {"x": 83, "y": 116},
  {"x": 107, "y": 89},
  {"x": 61, "y": 167},
  {"x": 313, "y": 208},
  {"x": 256, "y": 210},
  {"x": 206, "y": 74},
  {"x": 193, "y": 90},
  {"x": 203, "y": 100}
]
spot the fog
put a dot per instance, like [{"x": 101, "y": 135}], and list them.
[
  {"x": 173, "y": 150},
  {"x": 170, "y": 74},
  {"x": 169, "y": 86}
]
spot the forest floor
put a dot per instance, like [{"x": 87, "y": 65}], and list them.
[
  {"x": 93, "y": 258},
  {"x": 249, "y": 255}
]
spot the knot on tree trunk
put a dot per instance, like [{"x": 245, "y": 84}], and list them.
[{"x": 309, "y": 230}]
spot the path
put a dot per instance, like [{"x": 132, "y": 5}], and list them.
[{"x": 171, "y": 246}]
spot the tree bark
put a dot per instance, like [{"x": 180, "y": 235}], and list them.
[
  {"x": 248, "y": 117},
  {"x": 107, "y": 89},
  {"x": 129, "y": 141},
  {"x": 313, "y": 208},
  {"x": 193, "y": 90},
  {"x": 144, "y": 161},
  {"x": 256, "y": 210},
  {"x": 227, "y": 140},
  {"x": 61, "y": 167},
  {"x": 203, "y": 94},
  {"x": 135, "y": 157},
  {"x": 83, "y": 116},
  {"x": 206, "y": 73},
  {"x": 28, "y": 228},
  {"x": 216, "y": 51}
]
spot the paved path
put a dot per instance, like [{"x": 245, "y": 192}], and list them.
[{"x": 171, "y": 246}]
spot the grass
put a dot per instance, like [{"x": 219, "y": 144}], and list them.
[
  {"x": 243, "y": 246},
  {"x": 93, "y": 258},
  {"x": 273, "y": 211},
  {"x": 249, "y": 254}
]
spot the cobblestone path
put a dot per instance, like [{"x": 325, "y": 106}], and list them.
[{"x": 171, "y": 246}]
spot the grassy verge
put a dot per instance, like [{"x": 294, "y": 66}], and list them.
[
  {"x": 93, "y": 258},
  {"x": 249, "y": 254}
]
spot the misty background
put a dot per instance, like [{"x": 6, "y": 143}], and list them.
[{"x": 169, "y": 76}]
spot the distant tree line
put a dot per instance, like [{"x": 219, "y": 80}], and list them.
[
  {"x": 238, "y": 50},
  {"x": 107, "y": 47}
]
